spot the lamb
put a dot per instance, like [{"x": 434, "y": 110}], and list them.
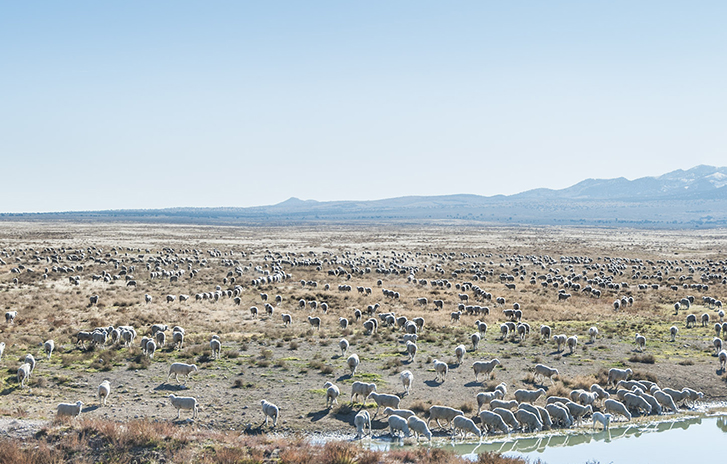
[
  {"x": 484, "y": 367},
  {"x": 636, "y": 403},
  {"x": 419, "y": 427},
  {"x": 528, "y": 396},
  {"x": 559, "y": 414},
  {"x": 459, "y": 352},
  {"x": 104, "y": 390},
  {"x": 545, "y": 332},
  {"x": 507, "y": 416},
  {"x": 184, "y": 402},
  {"x": 343, "y": 344},
  {"x": 362, "y": 389},
  {"x": 640, "y": 342},
  {"x": 493, "y": 421},
  {"x": 503, "y": 404},
  {"x": 398, "y": 424},
  {"x": 384, "y": 399},
  {"x": 270, "y": 411},
  {"x": 593, "y": 333},
  {"x": 332, "y": 393},
  {"x": 48, "y": 346},
  {"x": 466, "y": 425},
  {"x": 572, "y": 342},
  {"x": 673, "y": 332},
  {"x": 541, "y": 370},
  {"x": 484, "y": 398},
  {"x": 411, "y": 348},
  {"x": 604, "y": 419},
  {"x": 615, "y": 375},
  {"x": 444, "y": 413},
  {"x": 353, "y": 363},
  {"x": 407, "y": 378},
  {"x": 529, "y": 420},
  {"x": 216, "y": 346},
  {"x": 69, "y": 409},
  {"x": 362, "y": 420},
  {"x": 315, "y": 322},
  {"x": 178, "y": 368},
  {"x": 665, "y": 400},
  {"x": 441, "y": 369},
  {"x": 23, "y": 374},
  {"x": 475, "y": 337}
]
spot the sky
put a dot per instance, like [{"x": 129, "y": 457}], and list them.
[{"x": 138, "y": 104}]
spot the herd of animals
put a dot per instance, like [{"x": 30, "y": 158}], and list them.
[{"x": 400, "y": 283}]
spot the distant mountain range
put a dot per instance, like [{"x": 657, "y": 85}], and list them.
[{"x": 680, "y": 199}]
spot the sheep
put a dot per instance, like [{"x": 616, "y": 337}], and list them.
[
  {"x": 343, "y": 322},
  {"x": 665, "y": 400},
  {"x": 615, "y": 375},
  {"x": 459, "y": 353},
  {"x": 528, "y": 396},
  {"x": 466, "y": 425},
  {"x": 502, "y": 387},
  {"x": 178, "y": 368},
  {"x": 481, "y": 328},
  {"x": 370, "y": 326},
  {"x": 69, "y": 409},
  {"x": 484, "y": 367},
  {"x": 673, "y": 332},
  {"x": 178, "y": 340},
  {"x": 655, "y": 406},
  {"x": 595, "y": 388},
  {"x": 270, "y": 411},
  {"x": 405, "y": 413},
  {"x": 150, "y": 348},
  {"x": 455, "y": 316},
  {"x": 2, "y": 349},
  {"x": 104, "y": 390},
  {"x": 407, "y": 378},
  {"x": 30, "y": 360},
  {"x": 559, "y": 414},
  {"x": 507, "y": 416},
  {"x": 362, "y": 389},
  {"x": 691, "y": 320},
  {"x": 484, "y": 398},
  {"x": 705, "y": 319},
  {"x": 640, "y": 342},
  {"x": 441, "y": 369},
  {"x": 560, "y": 341},
  {"x": 48, "y": 346},
  {"x": 717, "y": 342},
  {"x": 216, "y": 346},
  {"x": 722, "y": 355},
  {"x": 353, "y": 363},
  {"x": 315, "y": 322},
  {"x": 419, "y": 427},
  {"x": 677, "y": 395},
  {"x": 343, "y": 345},
  {"x": 475, "y": 337},
  {"x": 587, "y": 398},
  {"x": 593, "y": 333},
  {"x": 692, "y": 395},
  {"x": 410, "y": 338},
  {"x": 10, "y": 316},
  {"x": 512, "y": 404},
  {"x": 493, "y": 421},
  {"x": 161, "y": 339},
  {"x": 398, "y": 424},
  {"x": 332, "y": 393},
  {"x": 504, "y": 331},
  {"x": 636, "y": 403},
  {"x": 545, "y": 332},
  {"x": 529, "y": 420},
  {"x": 604, "y": 419},
  {"x": 23, "y": 374},
  {"x": 361, "y": 421},
  {"x": 557, "y": 399},
  {"x": 148, "y": 298},
  {"x": 444, "y": 413},
  {"x": 572, "y": 342},
  {"x": 411, "y": 349},
  {"x": 578, "y": 411},
  {"x": 541, "y": 370},
  {"x": 384, "y": 399}
]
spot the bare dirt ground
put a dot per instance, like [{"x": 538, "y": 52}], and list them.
[{"x": 263, "y": 359}]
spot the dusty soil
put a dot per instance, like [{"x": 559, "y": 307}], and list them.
[{"x": 263, "y": 359}]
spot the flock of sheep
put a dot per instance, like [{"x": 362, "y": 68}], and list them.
[{"x": 461, "y": 277}]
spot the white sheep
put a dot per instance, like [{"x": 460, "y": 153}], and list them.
[
  {"x": 722, "y": 356},
  {"x": 503, "y": 388},
  {"x": 616, "y": 408},
  {"x": 615, "y": 375},
  {"x": 362, "y": 389},
  {"x": 484, "y": 398},
  {"x": 493, "y": 422},
  {"x": 161, "y": 339},
  {"x": 69, "y": 409},
  {"x": 545, "y": 332},
  {"x": 287, "y": 319},
  {"x": 717, "y": 342},
  {"x": 484, "y": 367},
  {"x": 692, "y": 395},
  {"x": 48, "y": 346},
  {"x": 512, "y": 404},
  {"x": 353, "y": 363},
  {"x": 343, "y": 322},
  {"x": 407, "y": 379},
  {"x": 405, "y": 413},
  {"x": 475, "y": 337},
  {"x": 270, "y": 411},
  {"x": 465, "y": 425},
  {"x": 151, "y": 347},
  {"x": 507, "y": 416},
  {"x": 178, "y": 368},
  {"x": 104, "y": 390},
  {"x": 640, "y": 342},
  {"x": 10, "y": 316},
  {"x": 410, "y": 338},
  {"x": 665, "y": 400},
  {"x": 578, "y": 411},
  {"x": 361, "y": 421},
  {"x": 184, "y": 402},
  {"x": 315, "y": 322},
  {"x": 529, "y": 420},
  {"x": 543, "y": 371},
  {"x": 2, "y": 349},
  {"x": 572, "y": 342},
  {"x": 29, "y": 359},
  {"x": 601, "y": 392},
  {"x": 528, "y": 396},
  {"x": 411, "y": 349},
  {"x": 23, "y": 374},
  {"x": 604, "y": 419},
  {"x": 385, "y": 400},
  {"x": 593, "y": 333},
  {"x": 673, "y": 332},
  {"x": 459, "y": 353},
  {"x": 419, "y": 427},
  {"x": 444, "y": 413},
  {"x": 441, "y": 369},
  {"x": 332, "y": 393},
  {"x": 636, "y": 403},
  {"x": 178, "y": 339},
  {"x": 343, "y": 345},
  {"x": 398, "y": 424},
  {"x": 587, "y": 398},
  {"x": 559, "y": 414}
]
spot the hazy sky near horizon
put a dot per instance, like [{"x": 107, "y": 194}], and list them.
[{"x": 137, "y": 104}]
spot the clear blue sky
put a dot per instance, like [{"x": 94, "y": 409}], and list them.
[{"x": 110, "y": 105}]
